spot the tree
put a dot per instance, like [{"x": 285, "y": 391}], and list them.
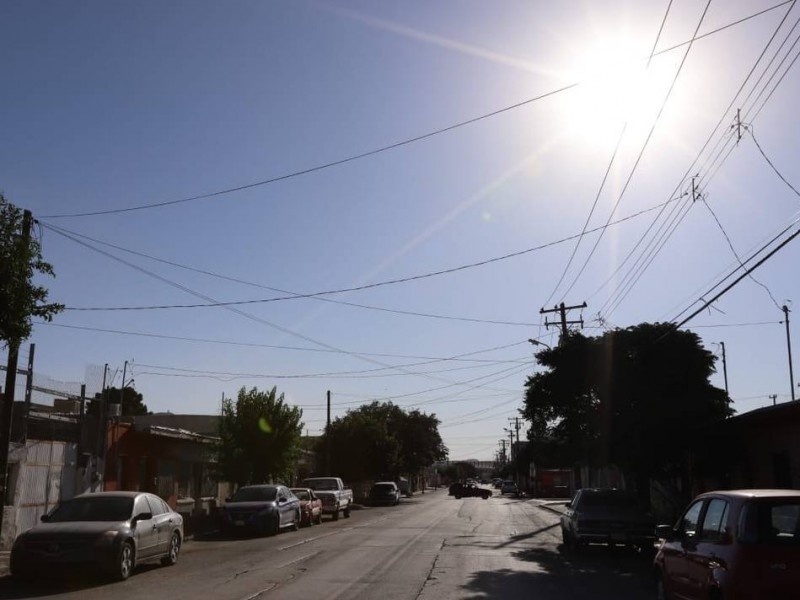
[
  {"x": 638, "y": 398},
  {"x": 131, "y": 400},
  {"x": 381, "y": 440},
  {"x": 20, "y": 301},
  {"x": 259, "y": 437},
  {"x": 20, "y": 260}
]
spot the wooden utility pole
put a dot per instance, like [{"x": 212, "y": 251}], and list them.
[
  {"x": 564, "y": 322},
  {"x": 786, "y": 311},
  {"x": 328, "y": 439},
  {"x": 11, "y": 381},
  {"x": 725, "y": 368}
]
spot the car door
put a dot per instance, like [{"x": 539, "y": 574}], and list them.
[
  {"x": 145, "y": 531},
  {"x": 569, "y": 514},
  {"x": 675, "y": 552},
  {"x": 285, "y": 509},
  {"x": 164, "y": 520},
  {"x": 706, "y": 553}
]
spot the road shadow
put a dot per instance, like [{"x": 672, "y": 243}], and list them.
[
  {"x": 597, "y": 573},
  {"x": 53, "y": 583}
]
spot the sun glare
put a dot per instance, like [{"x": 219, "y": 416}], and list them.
[{"x": 616, "y": 87}]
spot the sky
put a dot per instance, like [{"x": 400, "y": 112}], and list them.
[{"x": 463, "y": 163}]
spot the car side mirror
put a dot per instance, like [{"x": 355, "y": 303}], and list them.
[
  {"x": 45, "y": 518},
  {"x": 145, "y": 516},
  {"x": 228, "y": 499},
  {"x": 568, "y": 505},
  {"x": 281, "y": 500},
  {"x": 666, "y": 532}
]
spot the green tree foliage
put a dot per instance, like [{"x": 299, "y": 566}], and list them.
[
  {"x": 259, "y": 437},
  {"x": 131, "y": 400},
  {"x": 20, "y": 298},
  {"x": 639, "y": 398},
  {"x": 381, "y": 440}
]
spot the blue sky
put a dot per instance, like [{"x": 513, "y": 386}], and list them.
[{"x": 112, "y": 105}]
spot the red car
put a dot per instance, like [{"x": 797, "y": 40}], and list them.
[
  {"x": 310, "y": 506},
  {"x": 732, "y": 545}
]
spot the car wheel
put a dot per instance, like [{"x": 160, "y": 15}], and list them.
[
  {"x": 485, "y": 496},
  {"x": 347, "y": 512},
  {"x": 296, "y": 522},
  {"x": 125, "y": 561},
  {"x": 174, "y": 550},
  {"x": 318, "y": 518},
  {"x": 310, "y": 519},
  {"x": 336, "y": 515},
  {"x": 274, "y": 526},
  {"x": 19, "y": 571},
  {"x": 458, "y": 497}
]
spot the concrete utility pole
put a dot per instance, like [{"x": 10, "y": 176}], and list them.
[
  {"x": 564, "y": 323},
  {"x": 11, "y": 382},
  {"x": 725, "y": 368},
  {"x": 515, "y": 420},
  {"x": 786, "y": 312},
  {"x": 503, "y": 451}
]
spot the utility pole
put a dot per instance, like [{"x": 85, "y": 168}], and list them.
[
  {"x": 328, "y": 439},
  {"x": 11, "y": 381},
  {"x": 789, "y": 347},
  {"x": 738, "y": 125},
  {"x": 773, "y": 397},
  {"x": 564, "y": 322},
  {"x": 515, "y": 420},
  {"x": 725, "y": 368},
  {"x": 503, "y": 452}
]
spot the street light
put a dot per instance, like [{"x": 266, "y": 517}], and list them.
[{"x": 538, "y": 343}]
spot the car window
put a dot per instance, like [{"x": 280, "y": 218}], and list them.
[
  {"x": 94, "y": 508},
  {"x": 141, "y": 506},
  {"x": 713, "y": 528},
  {"x": 254, "y": 494},
  {"x": 303, "y": 495},
  {"x": 784, "y": 523},
  {"x": 615, "y": 499},
  {"x": 688, "y": 522},
  {"x": 156, "y": 505}
]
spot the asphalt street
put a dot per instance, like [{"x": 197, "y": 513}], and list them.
[{"x": 430, "y": 547}]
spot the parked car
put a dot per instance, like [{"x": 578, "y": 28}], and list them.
[
  {"x": 336, "y": 497},
  {"x": 384, "y": 492},
  {"x": 606, "y": 516},
  {"x": 115, "y": 531},
  {"x": 509, "y": 487},
  {"x": 470, "y": 490},
  {"x": 310, "y": 506},
  {"x": 262, "y": 509},
  {"x": 733, "y": 545}
]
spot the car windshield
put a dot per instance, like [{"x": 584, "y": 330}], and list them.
[
  {"x": 322, "y": 485},
  {"x": 383, "y": 487},
  {"x": 608, "y": 499},
  {"x": 254, "y": 494},
  {"x": 98, "y": 508},
  {"x": 302, "y": 494}
]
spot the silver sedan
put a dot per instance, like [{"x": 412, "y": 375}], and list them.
[{"x": 111, "y": 530}]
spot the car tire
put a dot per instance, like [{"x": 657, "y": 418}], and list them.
[
  {"x": 319, "y": 518},
  {"x": 274, "y": 526},
  {"x": 173, "y": 551},
  {"x": 126, "y": 560},
  {"x": 336, "y": 515},
  {"x": 19, "y": 571},
  {"x": 296, "y": 521},
  {"x": 458, "y": 497},
  {"x": 347, "y": 512}
]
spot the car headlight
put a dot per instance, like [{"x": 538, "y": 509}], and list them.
[{"x": 106, "y": 538}]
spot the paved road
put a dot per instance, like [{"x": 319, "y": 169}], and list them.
[{"x": 430, "y": 547}]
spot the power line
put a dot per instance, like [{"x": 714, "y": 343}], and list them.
[
  {"x": 388, "y": 147},
  {"x": 70, "y": 235},
  {"x": 605, "y": 175},
  {"x": 661, "y": 237},
  {"x": 769, "y": 162},
  {"x": 641, "y": 152},
  {"x": 279, "y": 347}
]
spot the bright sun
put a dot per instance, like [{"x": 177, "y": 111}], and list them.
[{"x": 616, "y": 86}]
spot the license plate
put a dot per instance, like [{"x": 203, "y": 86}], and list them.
[{"x": 239, "y": 523}]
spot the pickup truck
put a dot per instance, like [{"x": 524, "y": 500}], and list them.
[{"x": 335, "y": 496}]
